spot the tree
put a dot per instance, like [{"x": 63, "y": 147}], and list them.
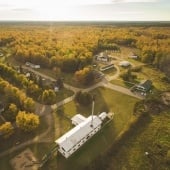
[
  {"x": 85, "y": 76},
  {"x": 49, "y": 96},
  {"x": 83, "y": 98},
  {"x": 11, "y": 113},
  {"x": 27, "y": 121},
  {"x": 128, "y": 76},
  {"x": 6, "y": 129},
  {"x": 29, "y": 105},
  {"x": 148, "y": 56},
  {"x": 59, "y": 83}
]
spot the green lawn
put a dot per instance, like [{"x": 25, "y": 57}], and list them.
[
  {"x": 122, "y": 83},
  {"x": 63, "y": 93},
  {"x": 154, "y": 75},
  {"x": 146, "y": 73},
  {"x": 106, "y": 100},
  {"x": 152, "y": 137},
  {"x": 21, "y": 137}
]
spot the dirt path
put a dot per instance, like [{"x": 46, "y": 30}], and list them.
[{"x": 45, "y": 110}]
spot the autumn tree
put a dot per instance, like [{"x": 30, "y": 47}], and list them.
[
  {"x": 83, "y": 98},
  {"x": 29, "y": 105},
  {"x": 49, "y": 97},
  {"x": 85, "y": 76},
  {"x": 11, "y": 112},
  {"x": 6, "y": 129},
  {"x": 27, "y": 121}
]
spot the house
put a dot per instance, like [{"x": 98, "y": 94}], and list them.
[
  {"x": 32, "y": 65},
  {"x": 107, "y": 67},
  {"x": 85, "y": 128},
  {"x": 134, "y": 57},
  {"x": 103, "y": 57},
  {"x": 124, "y": 63},
  {"x": 144, "y": 86}
]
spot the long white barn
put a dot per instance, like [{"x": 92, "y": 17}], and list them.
[{"x": 76, "y": 137}]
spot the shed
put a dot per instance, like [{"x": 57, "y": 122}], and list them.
[
  {"x": 124, "y": 63},
  {"x": 134, "y": 57}
]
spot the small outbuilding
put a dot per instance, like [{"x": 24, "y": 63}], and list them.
[
  {"x": 103, "y": 57},
  {"x": 134, "y": 57},
  {"x": 124, "y": 63},
  {"x": 107, "y": 67}
]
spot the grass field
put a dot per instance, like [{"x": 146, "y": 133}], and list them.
[
  {"x": 122, "y": 83},
  {"x": 147, "y": 73},
  {"x": 152, "y": 137},
  {"x": 106, "y": 100},
  {"x": 20, "y": 136},
  {"x": 63, "y": 94}
]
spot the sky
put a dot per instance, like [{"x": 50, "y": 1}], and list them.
[{"x": 85, "y": 10}]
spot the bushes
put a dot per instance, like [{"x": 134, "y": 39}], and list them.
[
  {"x": 128, "y": 76},
  {"x": 136, "y": 69}
]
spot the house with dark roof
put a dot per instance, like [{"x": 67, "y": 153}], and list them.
[{"x": 144, "y": 86}]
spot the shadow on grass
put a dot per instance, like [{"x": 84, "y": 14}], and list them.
[
  {"x": 106, "y": 160},
  {"x": 21, "y": 137}
]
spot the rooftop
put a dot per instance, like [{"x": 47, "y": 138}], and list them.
[
  {"x": 72, "y": 137},
  {"x": 77, "y": 119}
]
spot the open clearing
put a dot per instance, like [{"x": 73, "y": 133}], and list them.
[
  {"x": 151, "y": 136},
  {"x": 122, "y": 105}
]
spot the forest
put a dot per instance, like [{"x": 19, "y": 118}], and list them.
[
  {"x": 35, "y": 101},
  {"x": 71, "y": 48}
]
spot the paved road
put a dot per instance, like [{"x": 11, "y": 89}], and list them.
[
  {"x": 121, "y": 90},
  {"x": 74, "y": 89},
  {"x": 45, "y": 110},
  {"x": 116, "y": 75}
]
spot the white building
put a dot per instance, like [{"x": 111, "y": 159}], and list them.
[
  {"x": 85, "y": 128},
  {"x": 134, "y": 57},
  {"x": 77, "y": 119},
  {"x": 103, "y": 57},
  {"x": 124, "y": 63},
  {"x": 32, "y": 65}
]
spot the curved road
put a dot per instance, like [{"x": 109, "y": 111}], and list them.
[{"x": 46, "y": 110}]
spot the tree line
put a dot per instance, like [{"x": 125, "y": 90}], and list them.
[{"x": 71, "y": 48}]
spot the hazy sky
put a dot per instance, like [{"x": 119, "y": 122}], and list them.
[{"x": 115, "y": 10}]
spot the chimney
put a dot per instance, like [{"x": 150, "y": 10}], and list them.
[{"x": 92, "y": 111}]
